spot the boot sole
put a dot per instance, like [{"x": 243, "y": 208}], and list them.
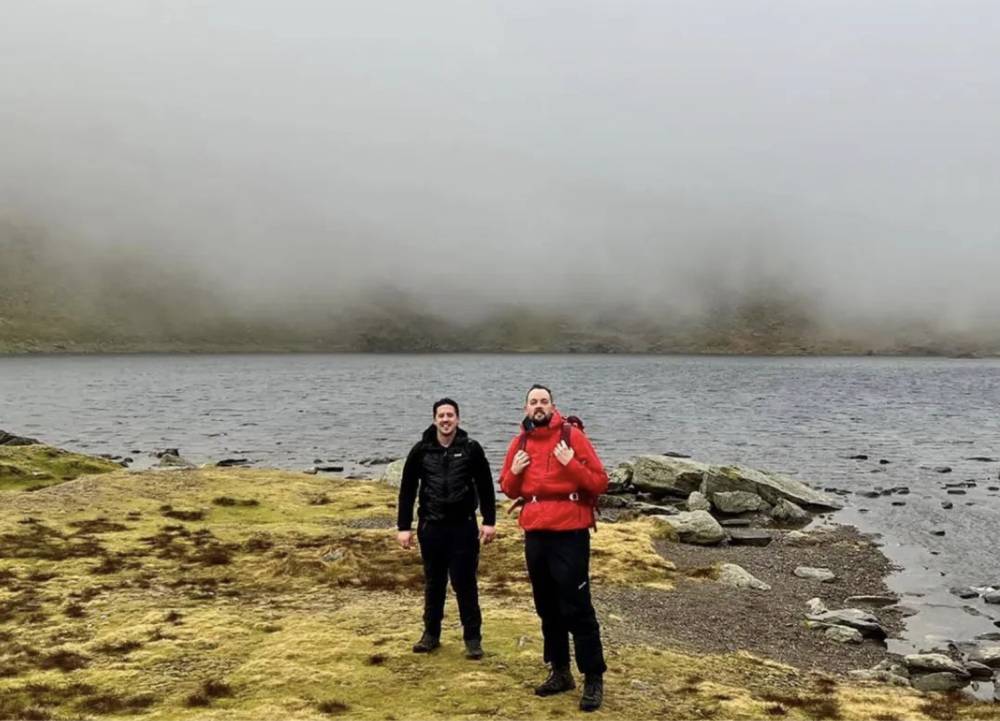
[{"x": 545, "y": 694}]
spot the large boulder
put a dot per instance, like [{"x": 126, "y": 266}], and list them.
[
  {"x": 989, "y": 656},
  {"x": 922, "y": 662},
  {"x": 739, "y": 502},
  {"x": 664, "y": 475},
  {"x": 939, "y": 682},
  {"x": 697, "y": 527},
  {"x": 772, "y": 487},
  {"x": 393, "y": 474},
  {"x": 9, "y": 439}
]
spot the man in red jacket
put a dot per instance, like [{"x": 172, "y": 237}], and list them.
[{"x": 555, "y": 472}]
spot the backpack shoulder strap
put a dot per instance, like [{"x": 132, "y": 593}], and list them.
[{"x": 522, "y": 442}]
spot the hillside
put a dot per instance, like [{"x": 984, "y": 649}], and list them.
[
  {"x": 257, "y": 594},
  {"x": 61, "y": 296}
]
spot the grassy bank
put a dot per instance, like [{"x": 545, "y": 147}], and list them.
[{"x": 260, "y": 594}]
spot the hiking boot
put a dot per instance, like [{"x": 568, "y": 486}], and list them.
[
  {"x": 559, "y": 680},
  {"x": 426, "y": 644},
  {"x": 473, "y": 649},
  {"x": 593, "y": 692}
]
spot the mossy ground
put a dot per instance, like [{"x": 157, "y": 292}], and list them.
[
  {"x": 257, "y": 594},
  {"x": 34, "y": 467}
]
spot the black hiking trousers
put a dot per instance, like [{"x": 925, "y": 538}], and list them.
[
  {"x": 450, "y": 549},
  {"x": 559, "y": 569}
]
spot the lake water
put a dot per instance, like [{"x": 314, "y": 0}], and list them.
[{"x": 801, "y": 416}]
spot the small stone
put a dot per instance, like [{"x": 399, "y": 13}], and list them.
[
  {"x": 965, "y": 593},
  {"x": 739, "y": 577},
  {"x": 883, "y": 461},
  {"x": 743, "y": 537},
  {"x": 992, "y": 597},
  {"x": 858, "y": 457},
  {"x": 843, "y": 634},
  {"x": 522, "y": 642},
  {"x": 816, "y": 606},
  {"x": 937, "y": 533},
  {"x": 947, "y": 505},
  {"x": 942, "y": 469},
  {"x": 735, "y": 522},
  {"x": 310, "y": 471},
  {"x": 639, "y": 685},
  {"x": 820, "y": 574},
  {"x": 697, "y": 502},
  {"x": 876, "y": 601}
]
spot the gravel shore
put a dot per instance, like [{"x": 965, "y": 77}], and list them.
[{"x": 704, "y": 616}]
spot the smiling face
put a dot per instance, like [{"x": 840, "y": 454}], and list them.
[
  {"x": 539, "y": 406},
  {"x": 446, "y": 420}
]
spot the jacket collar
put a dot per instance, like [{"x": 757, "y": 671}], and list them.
[{"x": 555, "y": 424}]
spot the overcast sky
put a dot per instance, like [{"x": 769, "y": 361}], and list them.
[{"x": 625, "y": 150}]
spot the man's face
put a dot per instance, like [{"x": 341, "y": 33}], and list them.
[
  {"x": 446, "y": 420},
  {"x": 539, "y": 407}
]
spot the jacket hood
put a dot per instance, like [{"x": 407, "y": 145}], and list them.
[{"x": 431, "y": 434}]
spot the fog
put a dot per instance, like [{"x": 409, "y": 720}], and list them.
[{"x": 658, "y": 155}]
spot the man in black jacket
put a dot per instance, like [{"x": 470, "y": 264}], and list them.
[{"x": 453, "y": 477}]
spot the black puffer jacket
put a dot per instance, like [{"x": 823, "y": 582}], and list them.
[{"x": 452, "y": 481}]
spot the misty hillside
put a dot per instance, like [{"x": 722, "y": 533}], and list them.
[{"x": 58, "y": 295}]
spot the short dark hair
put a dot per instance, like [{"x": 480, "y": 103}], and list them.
[
  {"x": 446, "y": 402},
  {"x": 537, "y": 387}
]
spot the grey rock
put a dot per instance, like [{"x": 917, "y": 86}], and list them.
[
  {"x": 991, "y": 636},
  {"x": 697, "y": 502},
  {"x": 843, "y": 634},
  {"x": 651, "y": 509},
  {"x": 697, "y": 527},
  {"x": 816, "y": 606},
  {"x": 989, "y": 656},
  {"x": 819, "y": 574},
  {"x": 620, "y": 479},
  {"x": 738, "y": 577},
  {"x": 735, "y": 522},
  {"x": 869, "y": 494},
  {"x": 170, "y": 460},
  {"x": 734, "y": 502},
  {"x": 978, "y": 670},
  {"x": 966, "y": 592},
  {"x": 992, "y": 597},
  {"x": 770, "y": 486},
  {"x": 749, "y": 537},
  {"x": 393, "y": 474},
  {"x": 940, "y": 682},
  {"x": 892, "y": 667},
  {"x": 665, "y": 475},
  {"x": 942, "y": 469},
  {"x": 790, "y": 513},
  {"x": 853, "y": 617},
  {"x": 955, "y": 492},
  {"x": 947, "y": 505},
  {"x": 310, "y": 471},
  {"x": 9, "y": 439},
  {"x": 933, "y": 662},
  {"x": 879, "y": 676},
  {"x": 639, "y": 685}
]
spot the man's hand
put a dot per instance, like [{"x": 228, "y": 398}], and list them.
[
  {"x": 405, "y": 539},
  {"x": 521, "y": 461},
  {"x": 564, "y": 454},
  {"x": 487, "y": 534}
]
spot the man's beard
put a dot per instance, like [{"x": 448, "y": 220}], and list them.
[{"x": 542, "y": 421}]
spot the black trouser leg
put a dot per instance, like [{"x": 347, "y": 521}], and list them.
[
  {"x": 555, "y": 635},
  {"x": 434, "y": 552},
  {"x": 570, "y": 566},
  {"x": 560, "y": 561},
  {"x": 462, "y": 567}
]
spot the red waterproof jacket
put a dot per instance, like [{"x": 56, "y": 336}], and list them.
[{"x": 556, "y": 497}]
